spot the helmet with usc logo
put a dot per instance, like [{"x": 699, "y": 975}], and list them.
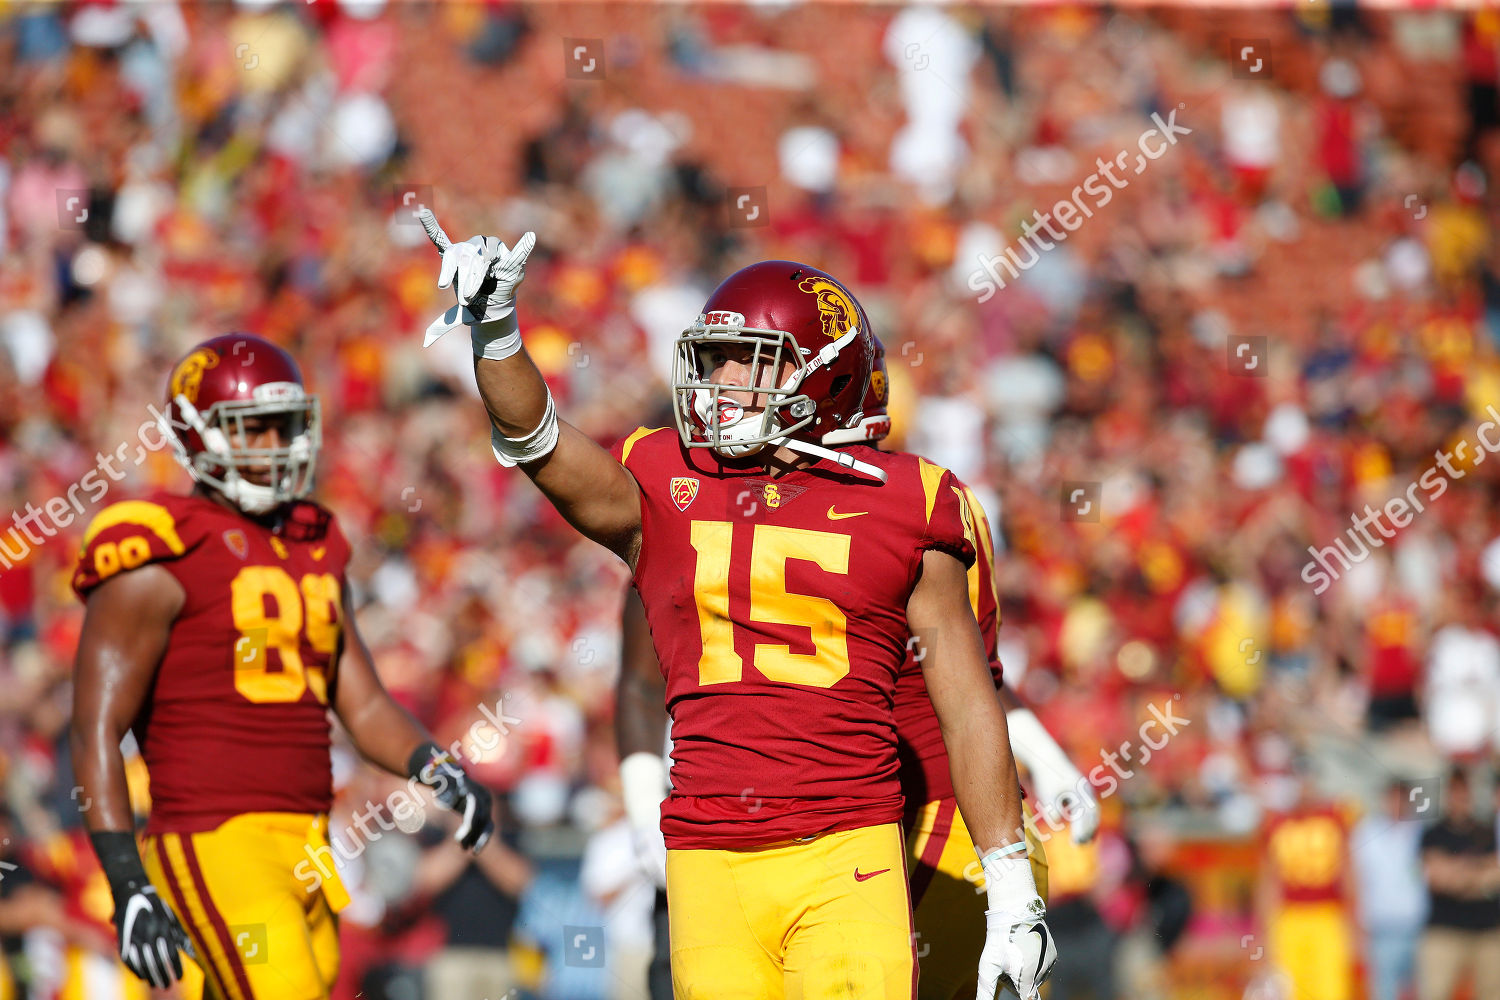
[
  {"x": 809, "y": 351},
  {"x": 213, "y": 391}
]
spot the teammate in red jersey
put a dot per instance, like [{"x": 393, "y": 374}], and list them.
[
  {"x": 949, "y": 935},
  {"x": 781, "y": 638},
  {"x": 219, "y": 630}
]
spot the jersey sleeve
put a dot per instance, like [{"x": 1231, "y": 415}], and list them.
[
  {"x": 626, "y": 448},
  {"x": 126, "y": 536},
  {"x": 948, "y": 526}
]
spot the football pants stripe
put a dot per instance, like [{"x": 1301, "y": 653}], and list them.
[
  {"x": 191, "y": 917},
  {"x": 228, "y": 953}
]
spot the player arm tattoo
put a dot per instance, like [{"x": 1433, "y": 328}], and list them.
[
  {"x": 126, "y": 626},
  {"x": 956, "y": 671}
]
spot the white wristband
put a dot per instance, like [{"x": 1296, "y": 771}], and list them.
[
  {"x": 496, "y": 339},
  {"x": 511, "y": 452},
  {"x": 643, "y": 786}
]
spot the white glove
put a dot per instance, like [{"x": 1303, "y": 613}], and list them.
[
  {"x": 643, "y": 786},
  {"x": 484, "y": 274},
  {"x": 1018, "y": 947},
  {"x": 1062, "y": 792}
]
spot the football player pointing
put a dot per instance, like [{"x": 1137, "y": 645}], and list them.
[
  {"x": 780, "y": 637},
  {"x": 940, "y": 862},
  {"x": 219, "y": 630}
]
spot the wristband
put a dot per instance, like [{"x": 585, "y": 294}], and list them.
[
  {"x": 1001, "y": 852},
  {"x": 121, "y": 861},
  {"x": 511, "y": 452},
  {"x": 422, "y": 758},
  {"x": 496, "y": 339}
]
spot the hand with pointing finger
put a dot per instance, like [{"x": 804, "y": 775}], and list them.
[{"x": 483, "y": 272}]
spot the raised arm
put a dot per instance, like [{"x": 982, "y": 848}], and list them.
[{"x": 592, "y": 491}]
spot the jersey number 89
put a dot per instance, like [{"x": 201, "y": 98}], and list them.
[{"x": 282, "y": 631}]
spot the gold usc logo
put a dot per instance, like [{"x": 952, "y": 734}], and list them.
[
  {"x": 877, "y": 383},
  {"x": 189, "y": 374},
  {"x": 835, "y": 305}
]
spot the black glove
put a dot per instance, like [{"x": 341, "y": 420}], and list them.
[
  {"x": 146, "y": 930},
  {"x": 455, "y": 790}
]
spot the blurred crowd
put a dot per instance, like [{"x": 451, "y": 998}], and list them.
[{"x": 1176, "y": 413}]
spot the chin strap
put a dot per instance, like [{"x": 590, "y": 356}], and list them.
[{"x": 842, "y": 458}]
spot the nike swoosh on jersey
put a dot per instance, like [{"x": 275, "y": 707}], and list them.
[
  {"x": 835, "y": 516},
  {"x": 858, "y": 877}
]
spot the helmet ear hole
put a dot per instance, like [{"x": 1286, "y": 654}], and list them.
[{"x": 840, "y": 384}]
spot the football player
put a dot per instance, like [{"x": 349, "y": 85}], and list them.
[
  {"x": 780, "y": 636},
  {"x": 219, "y": 629},
  {"x": 944, "y": 895}
]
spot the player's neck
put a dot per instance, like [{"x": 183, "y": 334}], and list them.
[{"x": 784, "y": 460}]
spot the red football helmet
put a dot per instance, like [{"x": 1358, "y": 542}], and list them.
[
  {"x": 875, "y": 422},
  {"x": 213, "y": 390},
  {"x": 790, "y": 317}
]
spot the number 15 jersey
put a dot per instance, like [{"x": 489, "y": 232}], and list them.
[{"x": 778, "y": 611}]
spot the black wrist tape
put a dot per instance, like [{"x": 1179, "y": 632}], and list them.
[{"x": 121, "y": 861}]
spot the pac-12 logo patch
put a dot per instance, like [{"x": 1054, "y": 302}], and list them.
[
  {"x": 235, "y": 541},
  {"x": 684, "y": 490}
]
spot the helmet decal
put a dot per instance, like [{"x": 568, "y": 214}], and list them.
[
  {"x": 834, "y": 305},
  {"x": 189, "y": 374},
  {"x": 877, "y": 385}
]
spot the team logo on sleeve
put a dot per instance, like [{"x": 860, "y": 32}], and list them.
[{"x": 684, "y": 490}]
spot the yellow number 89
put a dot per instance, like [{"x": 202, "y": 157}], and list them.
[{"x": 282, "y": 631}]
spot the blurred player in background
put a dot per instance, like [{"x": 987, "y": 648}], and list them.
[
  {"x": 219, "y": 630},
  {"x": 1307, "y": 896},
  {"x": 780, "y": 354},
  {"x": 939, "y": 863}
]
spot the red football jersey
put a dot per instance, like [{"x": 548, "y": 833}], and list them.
[
  {"x": 778, "y": 612},
  {"x": 236, "y": 719},
  {"x": 1308, "y": 849},
  {"x": 924, "y": 758}
]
